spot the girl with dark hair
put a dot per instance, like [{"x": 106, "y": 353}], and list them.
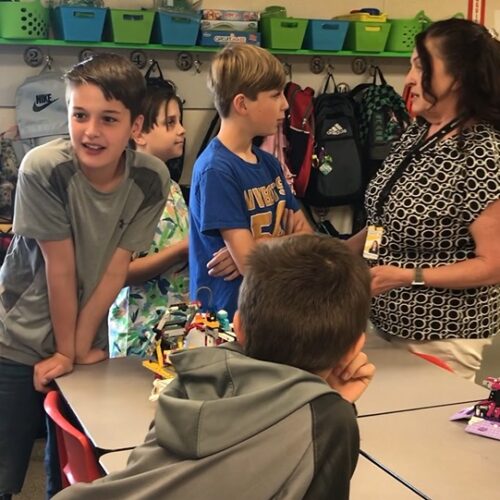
[
  {"x": 436, "y": 201},
  {"x": 158, "y": 277}
]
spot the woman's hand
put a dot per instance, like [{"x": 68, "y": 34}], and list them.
[{"x": 385, "y": 278}]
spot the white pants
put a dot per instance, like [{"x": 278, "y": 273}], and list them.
[{"x": 464, "y": 356}]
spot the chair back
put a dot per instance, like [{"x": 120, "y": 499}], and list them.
[{"x": 76, "y": 455}]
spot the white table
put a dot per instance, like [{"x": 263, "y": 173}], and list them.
[
  {"x": 114, "y": 460},
  {"x": 110, "y": 400},
  {"x": 403, "y": 381},
  {"x": 370, "y": 482},
  {"x": 433, "y": 454}
]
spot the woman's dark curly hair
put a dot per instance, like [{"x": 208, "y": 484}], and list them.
[{"x": 471, "y": 54}]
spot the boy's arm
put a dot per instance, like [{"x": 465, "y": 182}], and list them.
[
  {"x": 96, "y": 308},
  {"x": 296, "y": 222},
  {"x": 59, "y": 257},
  {"x": 149, "y": 266},
  {"x": 239, "y": 243}
]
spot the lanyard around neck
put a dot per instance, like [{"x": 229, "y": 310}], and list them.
[{"x": 421, "y": 145}]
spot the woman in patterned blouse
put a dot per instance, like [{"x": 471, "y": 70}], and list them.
[{"x": 436, "y": 276}]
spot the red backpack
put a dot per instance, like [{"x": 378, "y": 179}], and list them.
[{"x": 299, "y": 132}]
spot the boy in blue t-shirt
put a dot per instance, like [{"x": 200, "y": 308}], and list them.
[{"x": 238, "y": 192}]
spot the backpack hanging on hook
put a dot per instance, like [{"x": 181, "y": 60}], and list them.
[
  {"x": 382, "y": 118},
  {"x": 154, "y": 77},
  {"x": 336, "y": 168},
  {"x": 298, "y": 130},
  {"x": 41, "y": 107}
]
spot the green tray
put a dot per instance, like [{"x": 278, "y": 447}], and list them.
[
  {"x": 403, "y": 32},
  {"x": 24, "y": 20},
  {"x": 131, "y": 26},
  {"x": 283, "y": 32},
  {"x": 367, "y": 36}
]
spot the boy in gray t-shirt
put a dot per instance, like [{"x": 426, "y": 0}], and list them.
[{"x": 82, "y": 207}]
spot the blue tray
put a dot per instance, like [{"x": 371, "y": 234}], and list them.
[
  {"x": 78, "y": 24},
  {"x": 325, "y": 34},
  {"x": 172, "y": 28}
]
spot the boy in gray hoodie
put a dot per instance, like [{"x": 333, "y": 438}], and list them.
[{"x": 270, "y": 416}]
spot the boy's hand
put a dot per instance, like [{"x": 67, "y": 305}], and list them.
[
  {"x": 47, "y": 370},
  {"x": 91, "y": 357},
  {"x": 351, "y": 380},
  {"x": 288, "y": 222},
  {"x": 222, "y": 265}
]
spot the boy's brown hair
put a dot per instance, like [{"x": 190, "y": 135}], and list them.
[
  {"x": 116, "y": 76},
  {"x": 304, "y": 301},
  {"x": 243, "y": 69}
]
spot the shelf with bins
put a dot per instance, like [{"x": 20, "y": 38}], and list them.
[{"x": 192, "y": 48}]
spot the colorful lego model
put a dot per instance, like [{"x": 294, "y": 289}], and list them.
[
  {"x": 484, "y": 416},
  {"x": 170, "y": 333},
  {"x": 184, "y": 326}
]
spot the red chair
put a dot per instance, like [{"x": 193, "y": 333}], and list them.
[
  {"x": 435, "y": 360},
  {"x": 76, "y": 455}
]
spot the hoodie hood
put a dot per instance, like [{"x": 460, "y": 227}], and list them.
[{"x": 221, "y": 397}]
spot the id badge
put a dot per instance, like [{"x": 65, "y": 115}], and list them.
[{"x": 372, "y": 242}]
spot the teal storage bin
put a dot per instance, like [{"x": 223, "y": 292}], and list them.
[
  {"x": 325, "y": 34},
  {"x": 175, "y": 28},
  {"x": 78, "y": 24}
]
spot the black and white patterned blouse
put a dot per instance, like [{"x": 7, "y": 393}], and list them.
[{"x": 426, "y": 219}]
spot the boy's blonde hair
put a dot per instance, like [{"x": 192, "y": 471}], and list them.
[{"x": 243, "y": 69}]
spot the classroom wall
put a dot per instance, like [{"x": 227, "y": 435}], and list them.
[{"x": 192, "y": 86}]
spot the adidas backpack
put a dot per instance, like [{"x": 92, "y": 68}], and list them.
[{"x": 336, "y": 169}]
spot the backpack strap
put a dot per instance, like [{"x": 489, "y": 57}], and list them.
[
  {"x": 211, "y": 132},
  {"x": 329, "y": 78}
]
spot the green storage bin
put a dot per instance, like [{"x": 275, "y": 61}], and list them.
[
  {"x": 367, "y": 37},
  {"x": 24, "y": 20},
  {"x": 403, "y": 32},
  {"x": 130, "y": 26},
  {"x": 283, "y": 32}
]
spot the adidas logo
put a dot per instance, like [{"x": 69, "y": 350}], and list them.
[
  {"x": 42, "y": 101},
  {"x": 336, "y": 129}
]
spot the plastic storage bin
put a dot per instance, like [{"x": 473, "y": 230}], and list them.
[
  {"x": 130, "y": 26},
  {"x": 325, "y": 34},
  {"x": 173, "y": 28},
  {"x": 364, "y": 17},
  {"x": 403, "y": 32},
  {"x": 367, "y": 37},
  {"x": 24, "y": 20},
  {"x": 283, "y": 32},
  {"x": 78, "y": 24}
]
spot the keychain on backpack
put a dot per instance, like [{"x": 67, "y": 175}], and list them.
[{"x": 323, "y": 162}]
